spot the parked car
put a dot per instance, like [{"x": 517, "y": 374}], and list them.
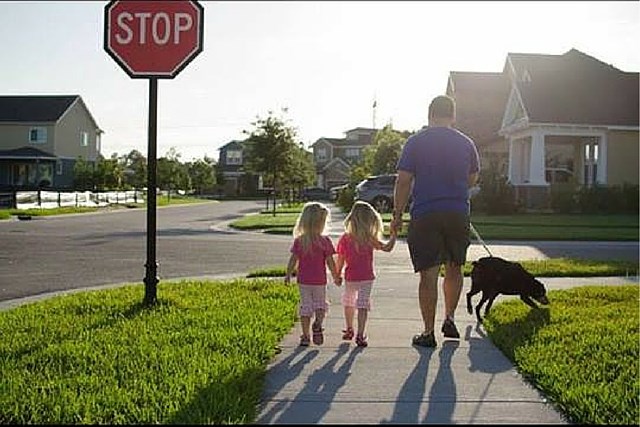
[
  {"x": 377, "y": 190},
  {"x": 314, "y": 193}
]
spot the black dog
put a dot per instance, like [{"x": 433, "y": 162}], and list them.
[{"x": 494, "y": 275}]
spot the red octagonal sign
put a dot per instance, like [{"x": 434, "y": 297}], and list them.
[{"x": 153, "y": 38}]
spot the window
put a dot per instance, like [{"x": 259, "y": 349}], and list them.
[
  {"x": 98, "y": 143},
  {"x": 321, "y": 154},
  {"x": 84, "y": 139},
  {"x": 352, "y": 153},
  {"x": 590, "y": 161},
  {"x": 559, "y": 162},
  {"x": 38, "y": 135},
  {"x": 234, "y": 157}
]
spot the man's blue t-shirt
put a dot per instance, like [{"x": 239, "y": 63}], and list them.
[{"x": 441, "y": 160}]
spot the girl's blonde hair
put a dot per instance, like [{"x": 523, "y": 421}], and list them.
[
  {"x": 311, "y": 223},
  {"x": 364, "y": 223}
]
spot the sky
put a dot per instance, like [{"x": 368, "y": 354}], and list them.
[{"x": 325, "y": 62}]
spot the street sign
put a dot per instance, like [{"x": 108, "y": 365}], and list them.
[{"x": 153, "y": 38}]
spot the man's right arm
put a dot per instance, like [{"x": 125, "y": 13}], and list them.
[{"x": 400, "y": 197}]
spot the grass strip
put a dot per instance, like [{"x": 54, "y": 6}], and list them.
[
  {"x": 581, "y": 351},
  {"x": 198, "y": 357},
  {"x": 555, "y": 267}
]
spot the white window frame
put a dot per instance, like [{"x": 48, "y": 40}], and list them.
[
  {"x": 321, "y": 154},
  {"x": 40, "y": 133},
  {"x": 84, "y": 139},
  {"x": 234, "y": 157}
]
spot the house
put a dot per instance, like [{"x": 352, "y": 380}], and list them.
[
  {"x": 41, "y": 137},
  {"x": 235, "y": 181},
  {"x": 553, "y": 119},
  {"x": 334, "y": 157}
]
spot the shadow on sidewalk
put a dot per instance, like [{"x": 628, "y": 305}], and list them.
[{"x": 321, "y": 388}]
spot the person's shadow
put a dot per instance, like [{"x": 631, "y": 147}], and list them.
[
  {"x": 321, "y": 386},
  {"x": 407, "y": 408},
  {"x": 282, "y": 373},
  {"x": 443, "y": 393}
]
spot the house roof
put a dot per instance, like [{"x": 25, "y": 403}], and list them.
[
  {"x": 26, "y": 153},
  {"x": 34, "y": 108},
  {"x": 480, "y": 103},
  {"x": 230, "y": 144},
  {"x": 575, "y": 88}
]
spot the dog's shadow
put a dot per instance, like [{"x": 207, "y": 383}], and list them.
[{"x": 507, "y": 337}]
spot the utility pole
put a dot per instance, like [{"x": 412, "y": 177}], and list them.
[{"x": 375, "y": 105}]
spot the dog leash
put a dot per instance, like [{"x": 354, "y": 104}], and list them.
[{"x": 475, "y": 232}]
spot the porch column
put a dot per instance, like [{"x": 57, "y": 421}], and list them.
[
  {"x": 536, "y": 160},
  {"x": 601, "y": 173},
  {"x": 510, "y": 163}
]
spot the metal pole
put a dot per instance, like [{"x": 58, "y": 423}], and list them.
[{"x": 151, "y": 279}]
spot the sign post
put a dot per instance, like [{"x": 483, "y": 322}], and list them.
[{"x": 154, "y": 40}]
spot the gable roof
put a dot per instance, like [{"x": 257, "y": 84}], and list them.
[
  {"x": 574, "y": 88},
  {"x": 34, "y": 108},
  {"x": 480, "y": 103},
  {"x": 232, "y": 144}
]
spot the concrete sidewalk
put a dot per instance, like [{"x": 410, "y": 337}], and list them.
[{"x": 465, "y": 381}]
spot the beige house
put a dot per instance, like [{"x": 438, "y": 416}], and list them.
[
  {"x": 41, "y": 137},
  {"x": 549, "y": 119},
  {"x": 334, "y": 157}
]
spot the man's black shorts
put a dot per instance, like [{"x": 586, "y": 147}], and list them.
[{"x": 438, "y": 237}]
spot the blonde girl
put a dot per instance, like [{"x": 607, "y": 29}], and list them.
[
  {"x": 312, "y": 251},
  {"x": 363, "y": 231}
]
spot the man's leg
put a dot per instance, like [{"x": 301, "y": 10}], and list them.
[
  {"x": 428, "y": 296},
  {"x": 452, "y": 288}
]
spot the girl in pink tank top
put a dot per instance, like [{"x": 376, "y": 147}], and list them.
[
  {"x": 363, "y": 230},
  {"x": 311, "y": 253}
]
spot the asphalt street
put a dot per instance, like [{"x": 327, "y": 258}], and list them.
[{"x": 50, "y": 254}]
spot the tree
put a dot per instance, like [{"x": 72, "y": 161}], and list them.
[
  {"x": 108, "y": 174},
  {"x": 270, "y": 149},
  {"x": 83, "y": 175},
  {"x": 134, "y": 166},
  {"x": 203, "y": 174},
  {"x": 171, "y": 174}
]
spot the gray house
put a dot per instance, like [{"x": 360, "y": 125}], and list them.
[
  {"x": 235, "y": 180},
  {"x": 41, "y": 137}
]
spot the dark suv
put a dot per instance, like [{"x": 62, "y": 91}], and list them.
[{"x": 377, "y": 190}]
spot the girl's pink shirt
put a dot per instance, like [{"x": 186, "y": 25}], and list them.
[
  {"x": 358, "y": 259},
  {"x": 312, "y": 269}
]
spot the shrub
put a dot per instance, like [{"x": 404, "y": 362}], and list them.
[
  {"x": 345, "y": 198},
  {"x": 496, "y": 196}
]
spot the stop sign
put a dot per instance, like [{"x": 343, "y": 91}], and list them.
[{"x": 153, "y": 38}]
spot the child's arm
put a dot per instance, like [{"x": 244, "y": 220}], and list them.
[
  {"x": 293, "y": 260},
  {"x": 387, "y": 247},
  {"x": 337, "y": 279},
  {"x": 339, "y": 267}
]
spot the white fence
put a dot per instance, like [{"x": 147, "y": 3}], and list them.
[{"x": 55, "y": 199}]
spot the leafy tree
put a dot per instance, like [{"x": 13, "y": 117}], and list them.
[
  {"x": 108, "y": 173},
  {"x": 387, "y": 147},
  {"x": 134, "y": 166},
  {"x": 83, "y": 175},
  {"x": 202, "y": 173},
  {"x": 171, "y": 173},
  {"x": 271, "y": 150}
]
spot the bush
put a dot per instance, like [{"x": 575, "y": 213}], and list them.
[
  {"x": 613, "y": 199},
  {"x": 496, "y": 196},
  {"x": 345, "y": 198}
]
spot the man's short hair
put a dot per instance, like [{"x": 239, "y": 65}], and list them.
[{"x": 442, "y": 107}]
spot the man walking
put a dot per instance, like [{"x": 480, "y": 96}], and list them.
[{"x": 440, "y": 163}]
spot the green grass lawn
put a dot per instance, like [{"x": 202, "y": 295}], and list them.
[
  {"x": 198, "y": 357},
  {"x": 511, "y": 227},
  {"x": 555, "y": 267},
  {"x": 581, "y": 351}
]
